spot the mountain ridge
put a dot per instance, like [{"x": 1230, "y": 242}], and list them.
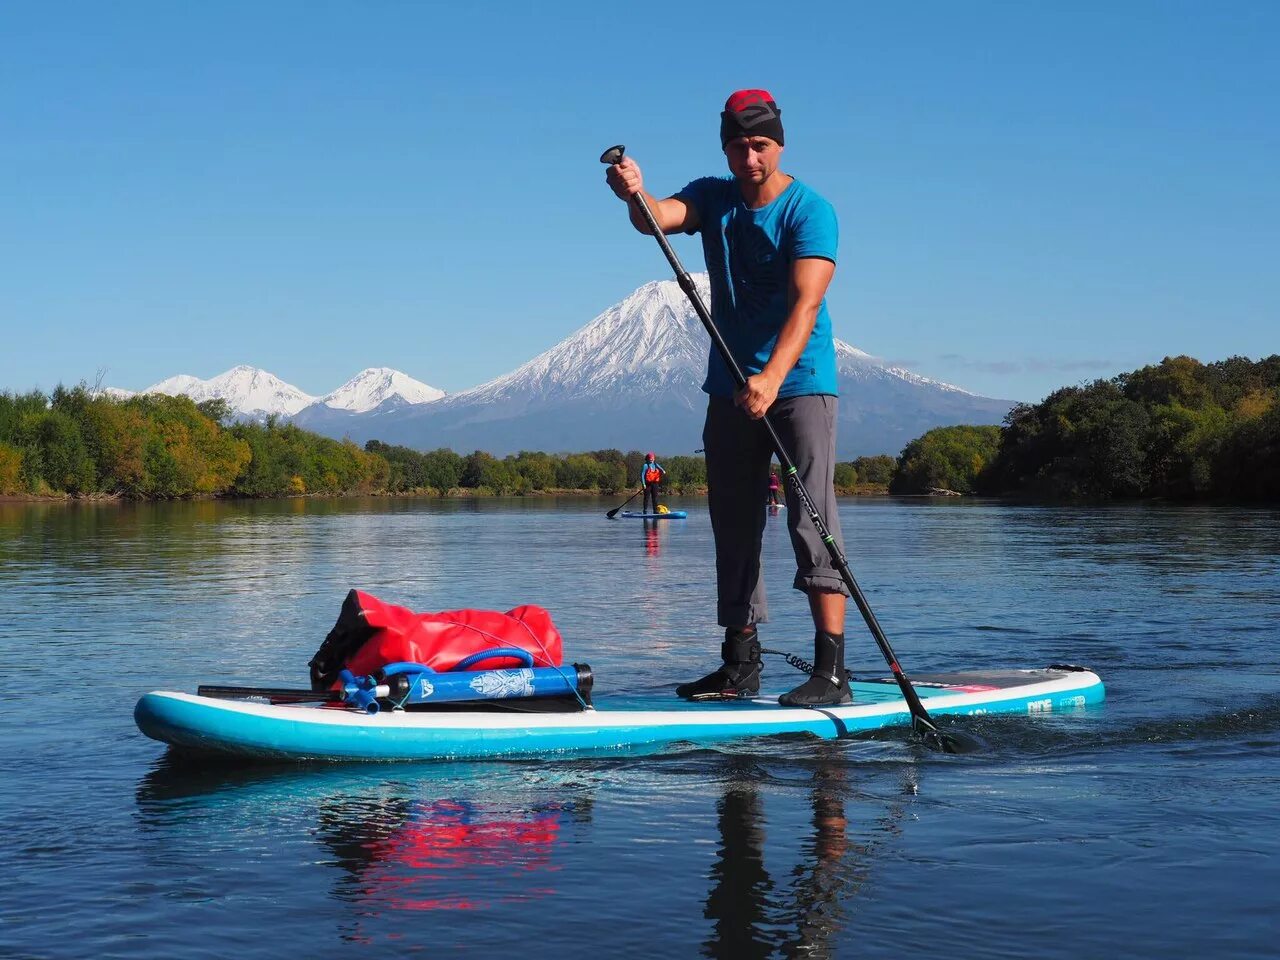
[{"x": 631, "y": 377}]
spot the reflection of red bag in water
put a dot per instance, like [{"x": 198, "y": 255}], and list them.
[
  {"x": 455, "y": 833},
  {"x": 441, "y": 854},
  {"x": 417, "y": 866},
  {"x": 370, "y": 634}
]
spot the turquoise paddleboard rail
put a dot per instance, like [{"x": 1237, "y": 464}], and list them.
[{"x": 618, "y": 725}]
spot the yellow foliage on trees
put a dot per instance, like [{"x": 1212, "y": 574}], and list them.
[
  {"x": 1254, "y": 404},
  {"x": 10, "y": 469},
  {"x": 119, "y": 434}
]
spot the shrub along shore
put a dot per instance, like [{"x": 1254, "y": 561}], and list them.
[{"x": 1177, "y": 429}]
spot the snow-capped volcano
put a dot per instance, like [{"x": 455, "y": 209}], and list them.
[
  {"x": 373, "y": 387},
  {"x": 248, "y": 391},
  {"x": 649, "y": 342},
  {"x": 652, "y": 341},
  {"x": 632, "y": 377}
]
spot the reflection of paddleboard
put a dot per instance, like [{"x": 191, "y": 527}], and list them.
[
  {"x": 670, "y": 515},
  {"x": 618, "y": 723},
  {"x": 776, "y": 506}
]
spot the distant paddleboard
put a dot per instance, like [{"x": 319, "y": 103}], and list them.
[{"x": 670, "y": 515}]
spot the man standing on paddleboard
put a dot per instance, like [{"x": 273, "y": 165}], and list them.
[{"x": 770, "y": 246}]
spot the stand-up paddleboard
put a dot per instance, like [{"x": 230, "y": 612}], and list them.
[
  {"x": 264, "y": 731},
  {"x": 669, "y": 515}
]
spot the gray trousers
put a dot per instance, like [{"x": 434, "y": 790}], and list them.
[{"x": 738, "y": 455}]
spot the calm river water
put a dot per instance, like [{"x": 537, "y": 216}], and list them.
[{"x": 1146, "y": 827}]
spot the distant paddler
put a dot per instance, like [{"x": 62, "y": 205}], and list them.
[{"x": 652, "y": 475}]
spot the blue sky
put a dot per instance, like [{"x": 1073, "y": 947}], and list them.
[{"x": 1030, "y": 195}]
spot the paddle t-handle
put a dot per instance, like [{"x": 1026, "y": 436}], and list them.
[{"x": 613, "y": 155}]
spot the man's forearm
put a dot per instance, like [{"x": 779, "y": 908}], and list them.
[{"x": 637, "y": 218}]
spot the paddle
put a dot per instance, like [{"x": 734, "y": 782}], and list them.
[
  {"x": 277, "y": 694},
  {"x": 921, "y": 722},
  {"x": 614, "y": 512}
]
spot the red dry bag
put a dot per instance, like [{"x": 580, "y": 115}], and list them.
[{"x": 370, "y": 634}]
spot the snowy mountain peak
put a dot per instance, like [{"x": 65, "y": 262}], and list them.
[
  {"x": 631, "y": 379},
  {"x": 644, "y": 343},
  {"x": 647, "y": 343},
  {"x": 375, "y": 386},
  {"x": 247, "y": 391},
  {"x": 176, "y": 386}
]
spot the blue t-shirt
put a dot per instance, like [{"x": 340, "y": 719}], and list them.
[{"x": 749, "y": 255}]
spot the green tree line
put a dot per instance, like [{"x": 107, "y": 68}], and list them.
[
  {"x": 158, "y": 447},
  {"x": 1178, "y": 429},
  {"x": 529, "y": 471}
]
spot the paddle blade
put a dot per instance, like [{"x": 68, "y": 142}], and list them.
[
  {"x": 948, "y": 741},
  {"x": 614, "y": 512}
]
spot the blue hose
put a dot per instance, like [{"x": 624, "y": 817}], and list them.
[{"x": 524, "y": 656}]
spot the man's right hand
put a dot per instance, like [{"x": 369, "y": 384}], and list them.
[
  {"x": 672, "y": 214},
  {"x": 625, "y": 178}
]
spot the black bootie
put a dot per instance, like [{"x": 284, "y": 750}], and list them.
[
  {"x": 829, "y": 683},
  {"x": 737, "y": 677}
]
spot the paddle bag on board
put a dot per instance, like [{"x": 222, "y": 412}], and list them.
[{"x": 370, "y": 634}]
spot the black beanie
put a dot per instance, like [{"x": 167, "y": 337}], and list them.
[{"x": 751, "y": 113}]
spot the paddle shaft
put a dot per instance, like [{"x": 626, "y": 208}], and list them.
[
  {"x": 270, "y": 693},
  {"x": 920, "y": 717}
]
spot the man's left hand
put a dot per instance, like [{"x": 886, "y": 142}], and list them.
[{"x": 758, "y": 395}]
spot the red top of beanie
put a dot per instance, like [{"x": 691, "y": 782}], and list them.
[{"x": 741, "y": 99}]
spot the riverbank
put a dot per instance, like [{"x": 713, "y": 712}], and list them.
[{"x": 427, "y": 493}]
